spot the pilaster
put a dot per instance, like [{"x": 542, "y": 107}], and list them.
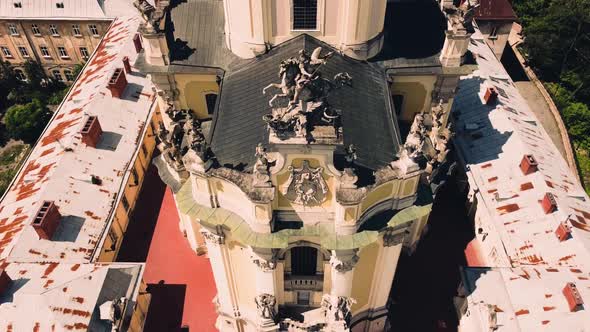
[
  {"x": 266, "y": 301},
  {"x": 337, "y": 304}
]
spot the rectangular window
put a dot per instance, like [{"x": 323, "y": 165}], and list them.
[
  {"x": 93, "y": 30},
  {"x": 114, "y": 239},
  {"x": 144, "y": 150},
  {"x": 135, "y": 177},
  {"x": 12, "y": 29},
  {"x": 6, "y": 52},
  {"x": 20, "y": 75},
  {"x": 62, "y": 52},
  {"x": 125, "y": 203},
  {"x": 57, "y": 76},
  {"x": 53, "y": 30},
  {"x": 23, "y": 51},
  {"x": 35, "y": 30},
  {"x": 44, "y": 51},
  {"x": 18, "y": 5},
  {"x": 68, "y": 75},
  {"x": 305, "y": 14},
  {"x": 494, "y": 33},
  {"x": 84, "y": 52},
  {"x": 59, "y": 5},
  {"x": 76, "y": 30}
]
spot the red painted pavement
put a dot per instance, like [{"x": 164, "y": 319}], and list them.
[{"x": 171, "y": 259}]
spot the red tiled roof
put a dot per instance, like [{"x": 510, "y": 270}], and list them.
[{"x": 495, "y": 10}]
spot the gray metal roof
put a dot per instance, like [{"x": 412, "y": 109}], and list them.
[
  {"x": 368, "y": 120},
  {"x": 195, "y": 34}
]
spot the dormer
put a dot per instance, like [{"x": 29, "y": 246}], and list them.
[
  {"x": 528, "y": 164},
  {"x": 91, "y": 131},
  {"x": 117, "y": 83},
  {"x": 46, "y": 220}
]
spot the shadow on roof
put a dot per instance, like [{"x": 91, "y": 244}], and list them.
[{"x": 412, "y": 30}]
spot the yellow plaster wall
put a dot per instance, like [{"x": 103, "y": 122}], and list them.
[
  {"x": 363, "y": 275},
  {"x": 417, "y": 92},
  {"x": 193, "y": 89}
]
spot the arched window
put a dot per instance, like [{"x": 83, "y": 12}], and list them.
[
  {"x": 305, "y": 14},
  {"x": 304, "y": 261},
  {"x": 210, "y": 99}
]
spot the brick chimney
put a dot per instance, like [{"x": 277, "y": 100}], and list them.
[
  {"x": 137, "y": 43},
  {"x": 563, "y": 231},
  {"x": 4, "y": 280},
  {"x": 490, "y": 96},
  {"x": 528, "y": 164},
  {"x": 91, "y": 131},
  {"x": 573, "y": 297},
  {"x": 549, "y": 203},
  {"x": 117, "y": 83},
  {"x": 46, "y": 220},
  {"x": 126, "y": 64}
]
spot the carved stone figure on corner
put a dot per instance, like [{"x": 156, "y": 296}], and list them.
[
  {"x": 265, "y": 303},
  {"x": 261, "y": 170},
  {"x": 337, "y": 309}
]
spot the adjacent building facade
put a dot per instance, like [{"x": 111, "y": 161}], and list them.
[
  {"x": 63, "y": 218},
  {"x": 528, "y": 265},
  {"x": 58, "y": 34},
  {"x": 285, "y": 152}
]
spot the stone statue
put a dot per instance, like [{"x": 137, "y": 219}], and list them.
[
  {"x": 301, "y": 81},
  {"x": 337, "y": 309},
  {"x": 162, "y": 135},
  {"x": 350, "y": 155},
  {"x": 265, "y": 303},
  {"x": 261, "y": 170}
]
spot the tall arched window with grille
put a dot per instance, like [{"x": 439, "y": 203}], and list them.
[{"x": 210, "y": 99}]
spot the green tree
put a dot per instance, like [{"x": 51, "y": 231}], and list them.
[
  {"x": 27, "y": 121},
  {"x": 8, "y": 83},
  {"x": 35, "y": 75},
  {"x": 560, "y": 95},
  {"x": 577, "y": 117}
]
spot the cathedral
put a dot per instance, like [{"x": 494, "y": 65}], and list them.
[{"x": 303, "y": 151}]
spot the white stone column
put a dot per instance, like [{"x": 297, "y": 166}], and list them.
[
  {"x": 337, "y": 304},
  {"x": 456, "y": 43},
  {"x": 225, "y": 301},
  {"x": 266, "y": 301}
]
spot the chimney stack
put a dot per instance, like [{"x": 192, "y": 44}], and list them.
[
  {"x": 126, "y": 64},
  {"x": 549, "y": 203},
  {"x": 91, "y": 132},
  {"x": 563, "y": 231},
  {"x": 137, "y": 43},
  {"x": 573, "y": 297},
  {"x": 46, "y": 220},
  {"x": 4, "y": 280},
  {"x": 490, "y": 96},
  {"x": 528, "y": 164},
  {"x": 117, "y": 83}
]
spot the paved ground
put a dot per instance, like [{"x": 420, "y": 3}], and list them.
[
  {"x": 181, "y": 283},
  {"x": 426, "y": 282},
  {"x": 539, "y": 106}
]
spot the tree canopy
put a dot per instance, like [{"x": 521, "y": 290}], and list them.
[{"x": 27, "y": 121}]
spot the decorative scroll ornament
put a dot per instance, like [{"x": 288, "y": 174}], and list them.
[
  {"x": 343, "y": 266},
  {"x": 306, "y": 185},
  {"x": 265, "y": 303},
  {"x": 391, "y": 238},
  {"x": 212, "y": 238},
  {"x": 265, "y": 265}
]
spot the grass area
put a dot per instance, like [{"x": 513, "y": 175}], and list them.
[
  {"x": 9, "y": 156},
  {"x": 583, "y": 159},
  {"x": 10, "y": 159}
]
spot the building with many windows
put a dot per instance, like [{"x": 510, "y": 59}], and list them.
[
  {"x": 58, "y": 34},
  {"x": 66, "y": 212}
]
